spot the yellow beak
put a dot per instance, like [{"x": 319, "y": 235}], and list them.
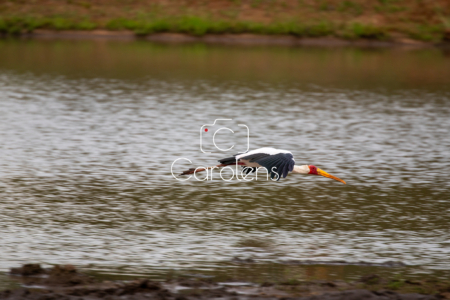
[{"x": 325, "y": 174}]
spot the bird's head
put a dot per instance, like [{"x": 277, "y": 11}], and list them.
[{"x": 313, "y": 170}]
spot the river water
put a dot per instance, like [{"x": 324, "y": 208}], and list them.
[{"x": 89, "y": 131}]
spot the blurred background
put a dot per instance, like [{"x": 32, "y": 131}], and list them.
[{"x": 89, "y": 129}]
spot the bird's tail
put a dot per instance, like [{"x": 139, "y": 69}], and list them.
[{"x": 194, "y": 170}]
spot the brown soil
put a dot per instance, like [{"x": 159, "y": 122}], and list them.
[
  {"x": 34, "y": 274},
  {"x": 382, "y": 12},
  {"x": 65, "y": 282}
]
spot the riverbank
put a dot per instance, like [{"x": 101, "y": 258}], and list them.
[
  {"x": 66, "y": 282},
  {"x": 229, "y": 39},
  {"x": 385, "y": 22}
]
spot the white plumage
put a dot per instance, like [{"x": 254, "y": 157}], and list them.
[{"x": 265, "y": 150}]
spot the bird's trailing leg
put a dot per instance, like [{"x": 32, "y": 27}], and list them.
[{"x": 194, "y": 170}]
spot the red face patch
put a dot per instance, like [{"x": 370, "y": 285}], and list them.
[{"x": 312, "y": 170}]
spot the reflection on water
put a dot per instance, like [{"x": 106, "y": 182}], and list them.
[{"x": 89, "y": 131}]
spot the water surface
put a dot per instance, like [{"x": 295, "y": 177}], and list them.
[{"x": 89, "y": 131}]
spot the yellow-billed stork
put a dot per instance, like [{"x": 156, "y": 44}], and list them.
[{"x": 279, "y": 163}]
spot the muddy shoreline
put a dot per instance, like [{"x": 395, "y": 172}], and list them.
[
  {"x": 230, "y": 39},
  {"x": 66, "y": 282}
]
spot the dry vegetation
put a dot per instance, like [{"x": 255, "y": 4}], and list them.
[{"x": 427, "y": 20}]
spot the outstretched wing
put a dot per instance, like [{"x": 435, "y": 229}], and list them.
[
  {"x": 251, "y": 156},
  {"x": 277, "y": 164}
]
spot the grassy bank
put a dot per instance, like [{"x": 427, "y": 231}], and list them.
[{"x": 423, "y": 20}]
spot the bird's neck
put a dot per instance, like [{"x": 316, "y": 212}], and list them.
[{"x": 304, "y": 169}]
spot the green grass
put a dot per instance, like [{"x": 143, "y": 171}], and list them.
[
  {"x": 323, "y": 6},
  {"x": 365, "y": 31},
  {"x": 395, "y": 284},
  {"x": 292, "y": 281},
  {"x": 427, "y": 33},
  {"x": 256, "y": 3},
  {"x": 199, "y": 26},
  {"x": 389, "y": 6},
  {"x": 19, "y": 25}
]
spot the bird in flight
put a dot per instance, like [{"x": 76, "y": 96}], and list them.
[{"x": 279, "y": 163}]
